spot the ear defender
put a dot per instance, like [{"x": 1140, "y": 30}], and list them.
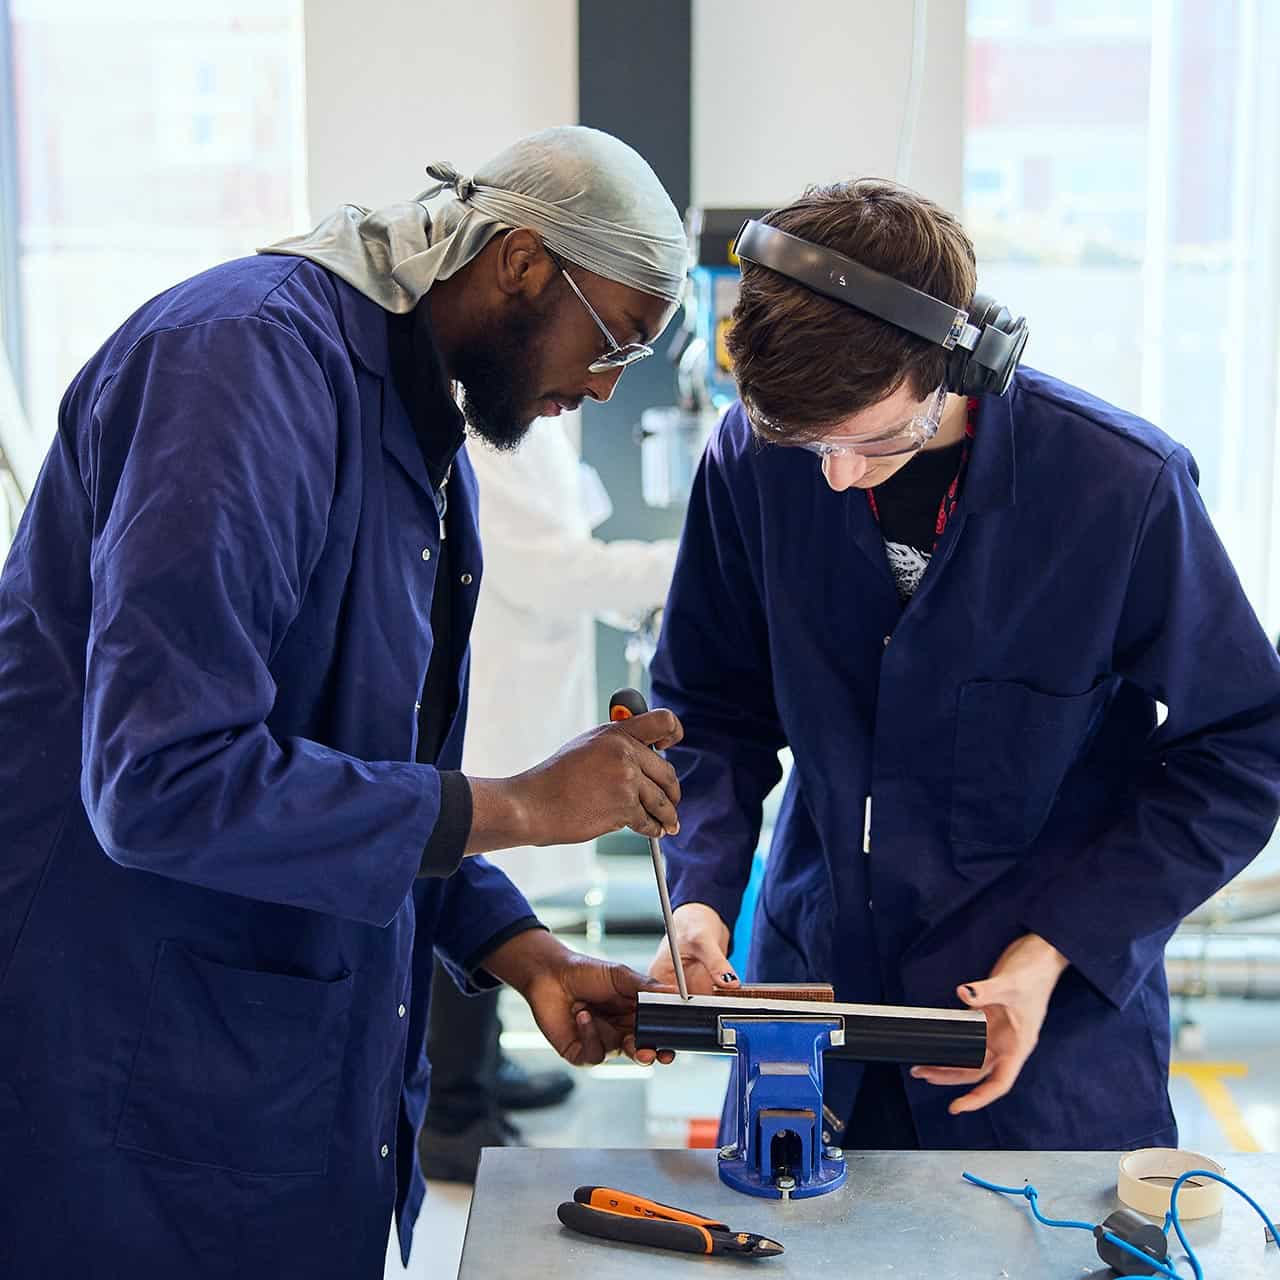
[
  {"x": 989, "y": 368},
  {"x": 983, "y": 343}
]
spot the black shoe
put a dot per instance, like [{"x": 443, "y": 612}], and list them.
[
  {"x": 516, "y": 1089},
  {"x": 454, "y": 1157}
]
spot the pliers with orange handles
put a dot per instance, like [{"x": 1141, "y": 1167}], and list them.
[{"x": 618, "y": 1215}]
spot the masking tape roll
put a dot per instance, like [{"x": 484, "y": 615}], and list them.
[{"x": 1196, "y": 1199}]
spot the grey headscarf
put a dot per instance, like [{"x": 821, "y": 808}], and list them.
[{"x": 591, "y": 197}]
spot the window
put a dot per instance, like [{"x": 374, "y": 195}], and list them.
[
  {"x": 151, "y": 140},
  {"x": 1121, "y": 186}
]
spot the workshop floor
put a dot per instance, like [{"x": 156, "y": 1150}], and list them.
[{"x": 1225, "y": 1089}]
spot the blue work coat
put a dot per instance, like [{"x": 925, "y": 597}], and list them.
[
  {"x": 1004, "y": 725},
  {"x": 214, "y": 955}
]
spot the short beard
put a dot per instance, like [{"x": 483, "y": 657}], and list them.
[{"x": 499, "y": 380}]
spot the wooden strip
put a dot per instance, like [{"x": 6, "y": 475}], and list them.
[{"x": 780, "y": 991}]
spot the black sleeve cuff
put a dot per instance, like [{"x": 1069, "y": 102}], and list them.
[
  {"x": 444, "y": 852},
  {"x": 514, "y": 929}
]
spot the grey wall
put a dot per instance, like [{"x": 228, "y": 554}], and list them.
[{"x": 643, "y": 98}]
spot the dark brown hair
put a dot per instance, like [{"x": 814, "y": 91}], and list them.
[{"x": 802, "y": 361}]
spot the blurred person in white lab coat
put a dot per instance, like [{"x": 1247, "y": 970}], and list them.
[{"x": 547, "y": 580}]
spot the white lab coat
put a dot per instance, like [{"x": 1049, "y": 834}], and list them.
[{"x": 546, "y": 580}]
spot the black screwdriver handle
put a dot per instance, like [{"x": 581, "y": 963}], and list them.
[{"x": 627, "y": 703}]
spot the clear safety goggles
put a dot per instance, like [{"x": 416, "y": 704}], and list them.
[
  {"x": 619, "y": 354},
  {"x": 903, "y": 437}
]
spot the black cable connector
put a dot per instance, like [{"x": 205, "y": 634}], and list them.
[{"x": 1135, "y": 1230}]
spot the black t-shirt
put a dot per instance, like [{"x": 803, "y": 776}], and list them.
[{"x": 907, "y": 504}]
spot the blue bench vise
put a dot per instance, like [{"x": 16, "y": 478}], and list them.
[
  {"x": 777, "y": 1084},
  {"x": 778, "y": 1081}
]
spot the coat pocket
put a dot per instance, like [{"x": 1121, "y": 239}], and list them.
[
  {"x": 237, "y": 1069},
  {"x": 1014, "y": 745}
]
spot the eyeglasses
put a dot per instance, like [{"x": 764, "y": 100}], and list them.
[
  {"x": 619, "y": 355},
  {"x": 905, "y": 437}
]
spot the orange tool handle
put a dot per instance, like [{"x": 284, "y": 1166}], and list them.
[
  {"x": 656, "y": 1233},
  {"x": 613, "y": 1201}
]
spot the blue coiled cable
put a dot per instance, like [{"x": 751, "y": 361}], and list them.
[{"x": 1031, "y": 1195}]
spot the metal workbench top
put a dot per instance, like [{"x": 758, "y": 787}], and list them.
[{"x": 902, "y": 1214}]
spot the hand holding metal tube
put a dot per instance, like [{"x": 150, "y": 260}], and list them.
[
  {"x": 1015, "y": 999},
  {"x": 702, "y": 939},
  {"x": 584, "y": 1006}
]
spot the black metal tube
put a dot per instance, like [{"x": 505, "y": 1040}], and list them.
[{"x": 872, "y": 1033}]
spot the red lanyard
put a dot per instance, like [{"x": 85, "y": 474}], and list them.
[{"x": 946, "y": 508}]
